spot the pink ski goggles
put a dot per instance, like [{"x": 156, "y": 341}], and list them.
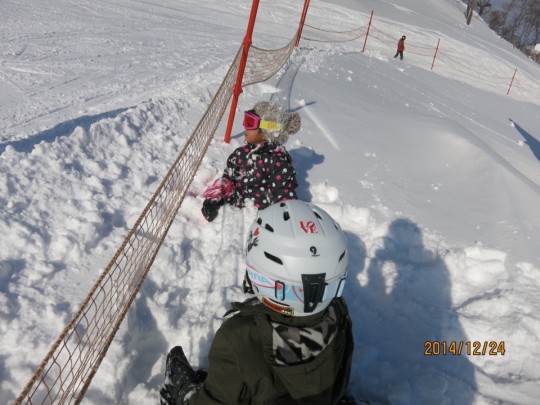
[{"x": 253, "y": 121}]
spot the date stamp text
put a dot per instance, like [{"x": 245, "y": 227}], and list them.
[{"x": 470, "y": 348}]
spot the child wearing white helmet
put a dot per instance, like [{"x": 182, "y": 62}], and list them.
[{"x": 290, "y": 344}]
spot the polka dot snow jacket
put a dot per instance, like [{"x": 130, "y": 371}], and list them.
[{"x": 262, "y": 173}]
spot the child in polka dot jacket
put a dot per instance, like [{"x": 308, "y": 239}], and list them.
[{"x": 261, "y": 170}]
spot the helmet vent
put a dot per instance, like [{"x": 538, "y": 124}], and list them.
[
  {"x": 317, "y": 215},
  {"x": 273, "y": 258},
  {"x": 342, "y": 256},
  {"x": 269, "y": 228},
  {"x": 259, "y": 221},
  {"x": 286, "y": 216}
]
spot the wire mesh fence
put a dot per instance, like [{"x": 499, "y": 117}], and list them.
[{"x": 67, "y": 370}]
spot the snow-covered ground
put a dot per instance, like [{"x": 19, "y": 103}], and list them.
[{"x": 434, "y": 176}]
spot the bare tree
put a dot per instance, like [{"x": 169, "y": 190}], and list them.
[
  {"x": 508, "y": 11},
  {"x": 470, "y": 9},
  {"x": 496, "y": 21},
  {"x": 519, "y": 23},
  {"x": 483, "y": 6},
  {"x": 530, "y": 23}
]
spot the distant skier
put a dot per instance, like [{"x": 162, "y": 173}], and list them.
[
  {"x": 400, "y": 48},
  {"x": 290, "y": 344},
  {"x": 260, "y": 171}
]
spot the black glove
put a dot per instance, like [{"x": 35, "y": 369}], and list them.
[
  {"x": 210, "y": 209},
  {"x": 181, "y": 379},
  {"x": 348, "y": 400}
]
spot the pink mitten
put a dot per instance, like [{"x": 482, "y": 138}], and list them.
[{"x": 220, "y": 189}]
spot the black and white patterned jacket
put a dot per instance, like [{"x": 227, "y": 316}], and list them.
[{"x": 262, "y": 173}]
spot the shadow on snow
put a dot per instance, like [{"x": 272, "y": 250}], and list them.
[
  {"x": 531, "y": 141},
  {"x": 61, "y": 130},
  {"x": 404, "y": 302}
]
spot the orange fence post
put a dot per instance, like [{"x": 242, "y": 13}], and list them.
[
  {"x": 367, "y": 33},
  {"x": 302, "y": 21},
  {"x": 435, "y": 55},
  {"x": 238, "y": 86},
  {"x": 511, "y": 81}
]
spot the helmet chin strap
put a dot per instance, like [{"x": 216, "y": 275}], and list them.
[{"x": 247, "y": 286}]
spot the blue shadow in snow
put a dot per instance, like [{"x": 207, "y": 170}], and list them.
[
  {"x": 405, "y": 302},
  {"x": 533, "y": 143},
  {"x": 303, "y": 160},
  {"x": 60, "y": 130}
]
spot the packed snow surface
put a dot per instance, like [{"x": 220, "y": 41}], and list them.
[{"x": 433, "y": 174}]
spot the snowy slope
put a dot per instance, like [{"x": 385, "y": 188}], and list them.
[{"x": 434, "y": 175}]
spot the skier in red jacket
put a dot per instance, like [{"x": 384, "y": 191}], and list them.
[{"x": 400, "y": 48}]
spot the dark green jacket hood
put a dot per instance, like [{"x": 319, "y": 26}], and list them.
[{"x": 243, "y": 368}]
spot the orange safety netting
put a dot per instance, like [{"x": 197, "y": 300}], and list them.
[
  {"x": 312, "y": 33},
  {"x": 525, "y": 87}
]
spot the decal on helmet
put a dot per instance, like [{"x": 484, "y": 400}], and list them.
[
  {"x": 282, "y": 309},
  {"x": 253, "y": 240},
  {"x": 260, "y": 280},
  {"x": 309, "y": 227},
  {"x": 313, "y": 251}
]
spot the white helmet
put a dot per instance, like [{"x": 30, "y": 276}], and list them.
[{"x": 296, "y": 258}]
